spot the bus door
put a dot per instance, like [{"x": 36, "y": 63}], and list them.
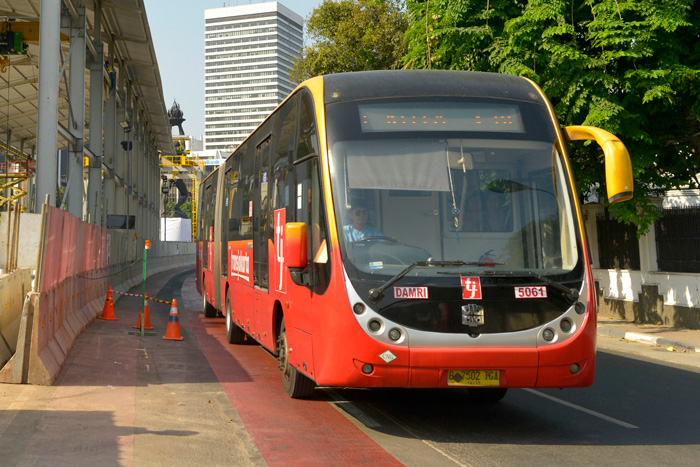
[
  {"x": 219, "y": 242},
  {"x": 306, "y": 209},
  {"x": 226, "y": 187},
  {"x": 241, "y": 259},
  {"x": 208, "y": 238},
  {"x": 306, "y": 205},
  {"x": 261, "y": 214},
  {"x": 262, "y": 231}
]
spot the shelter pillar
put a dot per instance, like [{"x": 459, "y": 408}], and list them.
[
  {"x": 47, "y": 122},
  {"x": 76, "y": 118},
  {"x": 95, "y": 187},
  {"x": 110, "y": 150}
]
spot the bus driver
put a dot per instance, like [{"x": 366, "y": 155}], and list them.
[{"x": 359, "y": 229}]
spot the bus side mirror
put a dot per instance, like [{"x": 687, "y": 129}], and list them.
[
  {"x": 295, "y": 255},
  {"x": 618, "y": 167}
]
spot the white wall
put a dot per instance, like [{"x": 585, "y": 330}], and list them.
[
  {"x": 677, "y": 289},
  {"x": 29, "y": 230}
]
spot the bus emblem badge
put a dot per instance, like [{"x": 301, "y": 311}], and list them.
[
  {"x": 471, "y": 288},
  {"x": 388, "y": 356},
  {"x": 472, "y": 315}
]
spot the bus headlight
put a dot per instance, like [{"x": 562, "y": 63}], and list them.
[
  {"x": 394, "y": 334},
  {"x": 359, "y": 308},
  {"x": 375, "y": 325},
  {"x": 548, "y": 334},
  {"x": 580, "y": 308},
  {"x": 566, "y": 325}
]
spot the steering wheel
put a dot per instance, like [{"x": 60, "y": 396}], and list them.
[{"x": 378, "y": 238}]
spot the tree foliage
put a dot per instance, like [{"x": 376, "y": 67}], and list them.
[
  {"x": 352, "y": 35},
  {"x": 186, "y": 208},
  {"x": 630, "y": 67}
]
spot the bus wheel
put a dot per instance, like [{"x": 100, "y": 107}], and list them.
[
  {"x": 209, "y": 310},
  {"x": 296, "y": 385},
  {"x": 234, "y": 334},
  {"x": 487, "y": 395}
]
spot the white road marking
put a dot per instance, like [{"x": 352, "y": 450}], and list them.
[
  {"x": 369, "y": 422},
  {"x": 581, "y": 409},
  {"x": 426, "y": 442}
]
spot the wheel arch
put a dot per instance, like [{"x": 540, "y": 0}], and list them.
[{"x": 277, "y": 317}]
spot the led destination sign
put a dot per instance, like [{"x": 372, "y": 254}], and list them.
[{"x": 440, "y": 116}]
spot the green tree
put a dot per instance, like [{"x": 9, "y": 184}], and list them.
[
  {"x": 455, "y": 35},
  {"x": 630, "y": 67},
  {"x": 186, "y": 208},
  {"x": 353, "y": 35}
]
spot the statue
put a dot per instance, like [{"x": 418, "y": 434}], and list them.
[{"x": 175, "y": 116}]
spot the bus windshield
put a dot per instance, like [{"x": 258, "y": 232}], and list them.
[{"x": 479, "y": 183}]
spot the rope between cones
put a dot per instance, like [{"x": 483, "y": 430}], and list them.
[{"x": 141, "y": 295}]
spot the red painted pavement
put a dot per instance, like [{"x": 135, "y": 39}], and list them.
[{"x": 286, "y": 431}]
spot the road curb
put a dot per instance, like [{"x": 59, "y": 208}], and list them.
[{"x": 646, "y": 339}]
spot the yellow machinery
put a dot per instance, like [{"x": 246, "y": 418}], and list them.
[
  {"x": 183, "y": 166},
  {"x": 14, "y": 171}
]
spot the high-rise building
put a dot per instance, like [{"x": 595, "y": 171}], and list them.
[{"x": 249, "y": 50}]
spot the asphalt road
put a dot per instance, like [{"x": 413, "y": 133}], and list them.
[
  {"x": 126, "y": 400},
  {"x": 641, "y": 410}
]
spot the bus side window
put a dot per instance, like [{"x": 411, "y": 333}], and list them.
[
  {"x": 210, "y": 202},
  {"x": 308, "y": 138},
  {"x": 284, "y": 152},
  {"x": 310, "y": 195},
  {"x": 206, "y": 218},
  {"x": 235, "y": 199},
  {"x": 245, "y": 229}
]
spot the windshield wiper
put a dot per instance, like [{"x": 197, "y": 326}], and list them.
[
  {"x": 376, "y": 293},
  {"x": 571, "y": 294}
]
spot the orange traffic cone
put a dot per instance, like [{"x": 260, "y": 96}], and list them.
[
  {"x": 172, "y": 333},
  {"x": 147, "y": 317},
  {"x": 108, "y": 310}
]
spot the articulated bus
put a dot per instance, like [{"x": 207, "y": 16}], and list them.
[{"x": 408, "y": 229}]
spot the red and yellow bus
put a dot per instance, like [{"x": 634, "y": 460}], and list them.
[{"x": 415, "y": 229}]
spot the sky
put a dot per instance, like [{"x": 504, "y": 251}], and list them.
[{"x": 177, "y": 28}]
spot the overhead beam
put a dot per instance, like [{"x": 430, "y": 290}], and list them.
[
  {"x": 139, "y": 40},
  {"x": 30, "y": 31}
]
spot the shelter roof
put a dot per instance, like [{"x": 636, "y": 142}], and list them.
[{"x": 127, "y": 38}]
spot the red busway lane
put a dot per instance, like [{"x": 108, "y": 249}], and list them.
[{"x": 286, "y": 431}]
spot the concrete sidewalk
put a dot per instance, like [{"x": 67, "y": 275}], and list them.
[
  {"x": 678, "y": 339},
  {"x": 123, "y": 399}
]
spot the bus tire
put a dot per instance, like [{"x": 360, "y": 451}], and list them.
[
  {"x": 234, "y": 334},
  {"x": 296, "y": 384},
  {"x": 487, "y": 395},
  {"x": 209, "y": 310}
]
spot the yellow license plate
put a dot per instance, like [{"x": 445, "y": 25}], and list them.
[{"x": 473, "y": 377}]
